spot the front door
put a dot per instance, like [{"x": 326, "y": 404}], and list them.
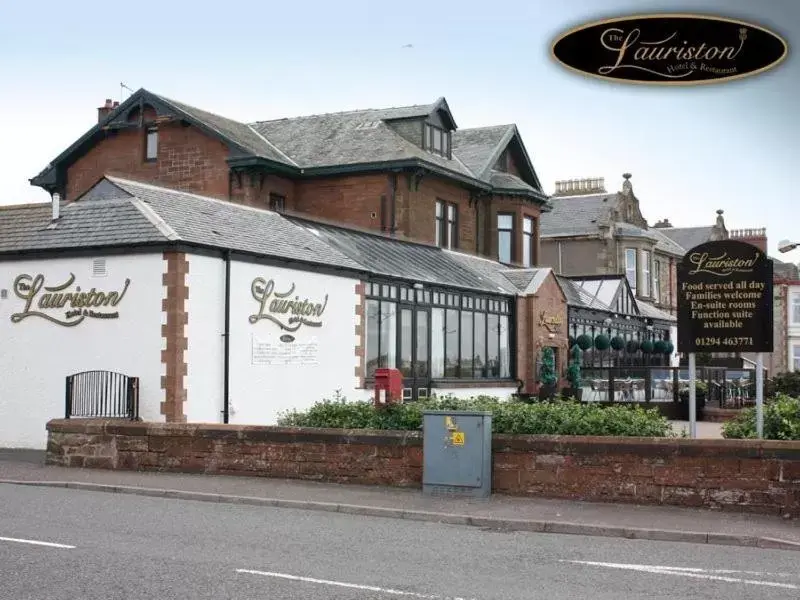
[{"x": 414, "y": 352}]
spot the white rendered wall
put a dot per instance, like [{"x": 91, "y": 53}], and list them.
[
  {"x": 204, "y": 355},
  {"x": 268, "y": 375},
  {"x": 37, "y": 355}
]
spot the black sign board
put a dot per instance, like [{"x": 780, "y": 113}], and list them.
[{"x": 725, "y": 299}]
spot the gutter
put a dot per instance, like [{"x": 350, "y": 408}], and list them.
[{"x": 226, "y": 371}]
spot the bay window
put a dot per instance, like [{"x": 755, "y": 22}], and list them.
[
  {"x": 796, "y": 309},
  {"x": 437, "y": 334},
  {"x": 528, "y": 241}
]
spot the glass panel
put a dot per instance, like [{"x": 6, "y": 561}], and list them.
[
  {"x": 372, "y": 337},
  {"x": 437, "y": 343},
  {"x": 480, "y": 345},
  {"x": 385, "y": 290},
  {"x": 630, "y": 267},
  {"x": 527, "y": 225},
  {"x": 388, "y": 357},
  {"x": 421, "y": 366},
  {"x": 493, "y": 350},
  {"x": 505, "y": 355},
  {"x": 439, "y": 208},
  {"x": 393, "y": 292},
  {"x": 504, "y": 246},
  {"x": 796, "y": 310},
  {"x": 152, "y": 144},
  {"x": 466, "y": 344},
  {"x": 406, "y": 333},
  {"x": 526, "y": 250},
  {"x": 505, "y": 221},
  {"x": 426, "y": 297},
  {"x": 451, "y": 344},
  {"x": 437, "y": 140},
  {"x": 645, "y": 273}
]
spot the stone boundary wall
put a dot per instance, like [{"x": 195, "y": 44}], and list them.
[{"x": 737, "y": 475}]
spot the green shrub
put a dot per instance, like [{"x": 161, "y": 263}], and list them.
[
  {"x": 781, "y": 421},
  {"x": 544, "y": 418},
  {"x": 787, "y": 383}
]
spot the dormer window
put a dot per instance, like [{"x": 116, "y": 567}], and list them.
[{"x": 437, "y": 140}]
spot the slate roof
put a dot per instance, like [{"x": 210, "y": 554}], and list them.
[
  {"x": 651, "y": 312},
  {"x": 667, "y": 244},
  {"x": 687, "y": 237},
  {"x": 784, "y": 270},
  {"x": 471, "y": 146},
  {"x": 575, "y": 215},
  {"x": 28, "y": 227},
  {"x": 332, "y": 142},
  {"x": 119, "y": 211}
]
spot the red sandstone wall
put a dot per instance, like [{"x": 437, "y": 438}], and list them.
[{"x": 737, "y": 475}]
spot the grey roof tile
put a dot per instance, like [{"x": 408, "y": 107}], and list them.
[
  {"x": 115, "y": 221},
  {"x": 576, "y": 215},
  {"x": 351, "y": 138},
  {"x": 784, "y": 270},
  {"x": 204, "y": 220},
  {"x": 476, "y": 146},
  {"x": 240, "y": 133},
  {"x": 508, "y": 181},
  {"x": 688, "y": 237},
  {"x": 667, "y": 244}
]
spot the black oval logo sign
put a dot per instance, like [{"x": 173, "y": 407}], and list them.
[
  {"x": 670, "y": 49},
  {"x": 287, "y": 338}
]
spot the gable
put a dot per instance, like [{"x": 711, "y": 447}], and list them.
[{"x": 624, "y": 302}]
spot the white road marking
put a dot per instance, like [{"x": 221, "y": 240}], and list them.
[
  {"x": 36, "y": 543},
  {"x": 694, "y": 573},
  {"x": 355, "y": 586}
]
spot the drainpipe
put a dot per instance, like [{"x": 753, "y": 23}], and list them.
[
  {"x": 560, "y": 269},
  {"x": 227, "y": 336},
  {"x": 393, "y": 204}
]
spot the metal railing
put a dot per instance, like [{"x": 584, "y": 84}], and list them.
[{"x": 94, "y": 394}]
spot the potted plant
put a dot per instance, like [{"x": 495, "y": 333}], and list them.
[
  {"x": 547, "y": 374},
  {"x": 575, "y": 390},
  {"x": 700, "y": 392}
]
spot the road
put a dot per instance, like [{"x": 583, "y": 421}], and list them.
[{"x": 116, "y": 546}]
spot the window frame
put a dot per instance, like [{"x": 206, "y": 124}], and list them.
[
  {"x": 657, "y": 279},
  {"x": 795, "y": 309},
  {"x": 628, "y": 253},
  {"x": 150, "y": 130},
  {"x": 275, "y": 199},
  {"x": 529, "y": 241},
  {"x": 433, "y": 134},
  {"x": 512, "y": 235},
  {"x": 452, "y": 306},
  {"x": 795, "y": 357},
  {"x": 647, "y": 273},
  {"x": 446, "y": 232}
]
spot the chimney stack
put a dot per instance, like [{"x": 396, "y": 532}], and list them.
[
  {"x": 104, "y": 110},
  {"x": 56, "y": 199},
  {"x": 757, "y": 237},
  {"x": 662, "y": 224},
  {"x": 580, "y": 187}
]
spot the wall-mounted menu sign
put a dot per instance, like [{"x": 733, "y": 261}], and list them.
[
  {"x": 725, "y": 299},
  {"x": 279, "y": 307},
  {"x": 64, "y": 306}
]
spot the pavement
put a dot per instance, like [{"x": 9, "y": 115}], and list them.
[
  {"x": 506, "y": 513},
  {"x": 63, "y": 543}
]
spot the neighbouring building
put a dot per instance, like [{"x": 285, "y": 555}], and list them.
[
  {"x": 786, "y": 322},
  {"x": 206, "y": 310}
]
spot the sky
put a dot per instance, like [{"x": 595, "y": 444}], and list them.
[{"x": 690, "y": 150}]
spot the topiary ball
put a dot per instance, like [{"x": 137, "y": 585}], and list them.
[
  {"x": 669, "y": 348},
  {"x": 617, "y": 343},
  {"x": 632, "y": 346},
  {"x": 571, "y": 341},
  {"x": 659, "y": 347},
  {"x": 647, "y": 346},
  {"x": 601, "y": 342},
  {"x": 584, "y": 341}
]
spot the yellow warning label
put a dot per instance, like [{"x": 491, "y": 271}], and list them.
[
  {"x": 449, "y": 423},
  {"x": 458, "y": 438}
]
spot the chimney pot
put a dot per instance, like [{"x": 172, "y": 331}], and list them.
[
  {"x": 115, "y": 105},
  {"x": 56, "y": 199}
]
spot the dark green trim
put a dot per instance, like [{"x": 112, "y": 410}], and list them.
[{"x": 250, "y": 161}]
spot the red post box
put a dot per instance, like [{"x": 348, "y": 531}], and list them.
[{"x": 388, "y": 386}]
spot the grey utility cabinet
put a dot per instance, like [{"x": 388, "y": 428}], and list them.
[{"x": 457, "y": 453}]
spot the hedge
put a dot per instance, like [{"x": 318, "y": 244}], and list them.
[
  {"x": 781, "y": 421},
  {"x": 544, "y": 418}
]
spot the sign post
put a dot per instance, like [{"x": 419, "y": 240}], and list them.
[{"x": 725, "y": 305}]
